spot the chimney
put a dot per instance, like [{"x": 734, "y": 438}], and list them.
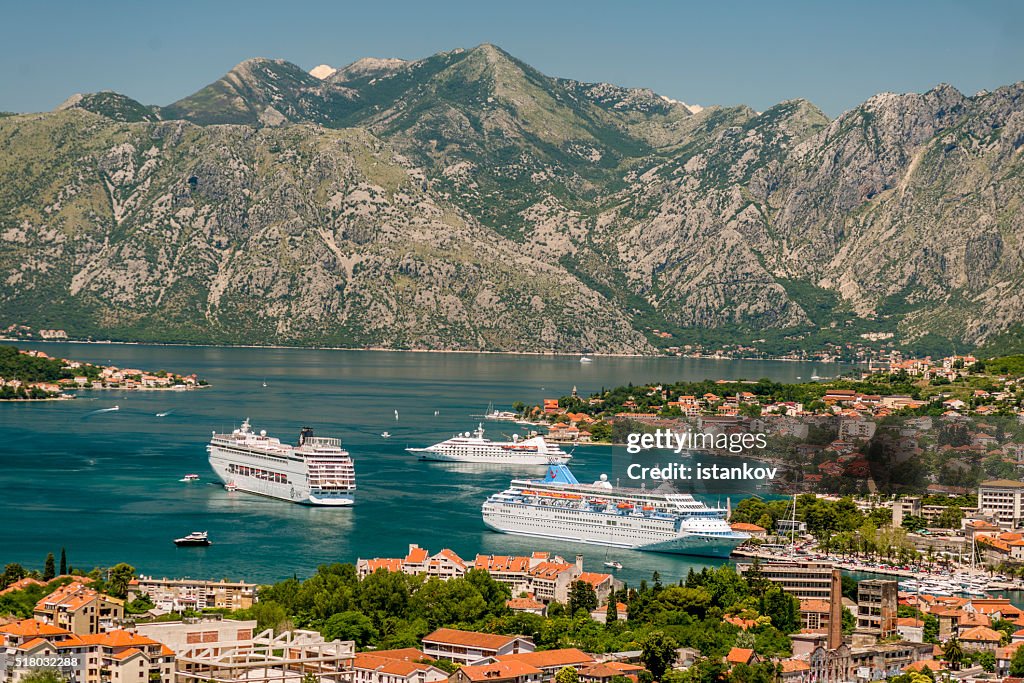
[
  {"x": 835, "y": 612},
  {"x": 579, "y": 563}
]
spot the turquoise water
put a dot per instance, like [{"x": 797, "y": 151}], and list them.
[{"x": 105, "y": 484}]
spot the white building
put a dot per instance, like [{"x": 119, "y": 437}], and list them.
[{"x": 1003, "y": 499}]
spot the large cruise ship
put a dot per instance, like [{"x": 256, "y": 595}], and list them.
[
  {"x": 318, "y": 471},
  {"x": 561, "y": 508},
  {"x": 473, "y": 447}
]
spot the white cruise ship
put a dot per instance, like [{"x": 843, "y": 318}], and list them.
[
  {"x": 561, "y": 508},
  {"x": 316, "y": 472},
  {"x": 473, "y": 447}
]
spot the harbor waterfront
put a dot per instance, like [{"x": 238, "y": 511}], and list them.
[{"x": 106, "y": 485}]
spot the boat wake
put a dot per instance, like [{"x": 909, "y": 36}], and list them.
[{"x": 101, "y": 410}]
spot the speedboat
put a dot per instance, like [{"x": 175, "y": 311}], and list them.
[
  {"x": 230, "y": 487},
  {"x": 194, "y": 539},
  {"x": 613, "y": 564},
  {"x": 586, "y": 359},
  {"x": 385, "y": 435},
  {"x": 190, "y": 478}
]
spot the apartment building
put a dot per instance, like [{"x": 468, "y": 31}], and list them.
[
  {"x": 1003, "y": 499},
  {"x": 175, "y": 595},
  {"x": 79, "y": 609},
  {"x": 876, "y": 607},
  {"x": 469, "y": 647}
]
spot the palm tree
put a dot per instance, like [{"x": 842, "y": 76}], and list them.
[{"x": 954, "y": 653}]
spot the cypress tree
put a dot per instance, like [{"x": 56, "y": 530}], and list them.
[
  {"x": 63, "y": 562},
  {"x": 49, "y": 569}
]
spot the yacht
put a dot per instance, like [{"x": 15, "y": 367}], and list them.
[
  {"x": 190, "y": 478},
  {"x": 473, "y": 447},
  {"x": 317, "y": 471},
  {"x": 196, "y": 538}
]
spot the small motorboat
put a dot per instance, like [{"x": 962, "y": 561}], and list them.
[
  {"x": 586, "y": 359},
  {"x": 385, "y": 435},
  {"x": 229, "y": 487},
  {"x": 190, "y": 478},
  {"x": 613, "y": 564},
  {"x": 194, "y": 539}
]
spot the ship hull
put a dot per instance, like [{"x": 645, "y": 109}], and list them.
[
  {"x": 293, "y": 491},
  {"x": 497, "y": 459},
  {"x": 593, "y": 529}
]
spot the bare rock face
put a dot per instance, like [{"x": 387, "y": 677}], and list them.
[
  {"x": 177, "y": 232},
  {"x": 466, "y": 200}
]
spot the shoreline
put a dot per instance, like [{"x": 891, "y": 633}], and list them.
[{"x": 553, "y": 354}]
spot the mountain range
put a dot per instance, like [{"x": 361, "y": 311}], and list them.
[{"x": 468, "y": 201}]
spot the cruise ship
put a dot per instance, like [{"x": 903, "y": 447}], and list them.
[
  {"x": 318, "y": 471},
  {"x": 473, "y": 447},
  {"x": 559, "y": 507}
]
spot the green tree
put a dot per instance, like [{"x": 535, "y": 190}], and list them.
[
  {"x": 953, "y": 653},
  {"x": 63, "y": 562},
  {"x": 657, "y": 653},
  {"x": 1017, "y": 663},
  {"x": 567, "y": 674},
  {"x": 352, "y": 625},
  {"x": 43, "y": 676},
  {"x": 581, "y": 597},
  {"x": 611, "y": 612},
  {"x": 121, "y": 575},
  {"x": 12, "y": 572},
  {"x": 49, "y": 567}
]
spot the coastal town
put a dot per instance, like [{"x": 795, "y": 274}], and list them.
[
  {"x": 34, "y": 375},
  {"x": 430, "y": 616}
]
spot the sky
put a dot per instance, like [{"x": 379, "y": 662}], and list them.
[{"x": 835, "y": 54}]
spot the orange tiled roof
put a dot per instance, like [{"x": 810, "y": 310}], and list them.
[
  {"x": 487, "y": 641},
  {"x": 499, "y": 670},
  {"x": 416, "y": 555},
  {"x": 550, "y": 658},
  {"x": 812, "y": 605},
  {"x": 791, "y": 665},
  {"x": 982, "y": 633},
  {"x": 595, "y": 579},
  {"x": 524, "y": 603},
  {"x": 408, "y": 653},
  {"x": 391, "y": 564},
  {"x": 739, "y": 655},
  {"x": 31, "y": 627},
  {"x": 549, "y": 569},
  {"x": 931, "y": 664},
  {"x": 118, "y": 638},
  {"x": 743, "y": 526},
  {"x": 502, "y": 563}
]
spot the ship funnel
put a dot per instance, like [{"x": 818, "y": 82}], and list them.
[{"x": 305, "y": 433}]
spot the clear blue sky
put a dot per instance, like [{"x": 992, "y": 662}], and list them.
[{"x": 757, "y": 53}]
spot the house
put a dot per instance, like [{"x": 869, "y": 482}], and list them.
[
  {"x": 910, "y": 629},
  {"x": 1004, "y": 656},
  {"x": 741, "y": 655},
  {"x": 754, "y": 530},
  {"x": 980, "y": 638},
  {"x": 497, "y": 672},
  {"x": 604, "y": 672},
  {"x": 794, "y": 671},
  {"x": 175, "y": 595},
  {"x": 79, "y": 609},
  {"x": 814, "y": 615},
  {"x": 394, "y": 666},
  {"x": 468, "y": 647},
  {"x": 603, "y": 584},
  {"x": 528, "y": 605},
  {"x": 550, "y": 661},
  {"x": 91, "y": 658}
]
